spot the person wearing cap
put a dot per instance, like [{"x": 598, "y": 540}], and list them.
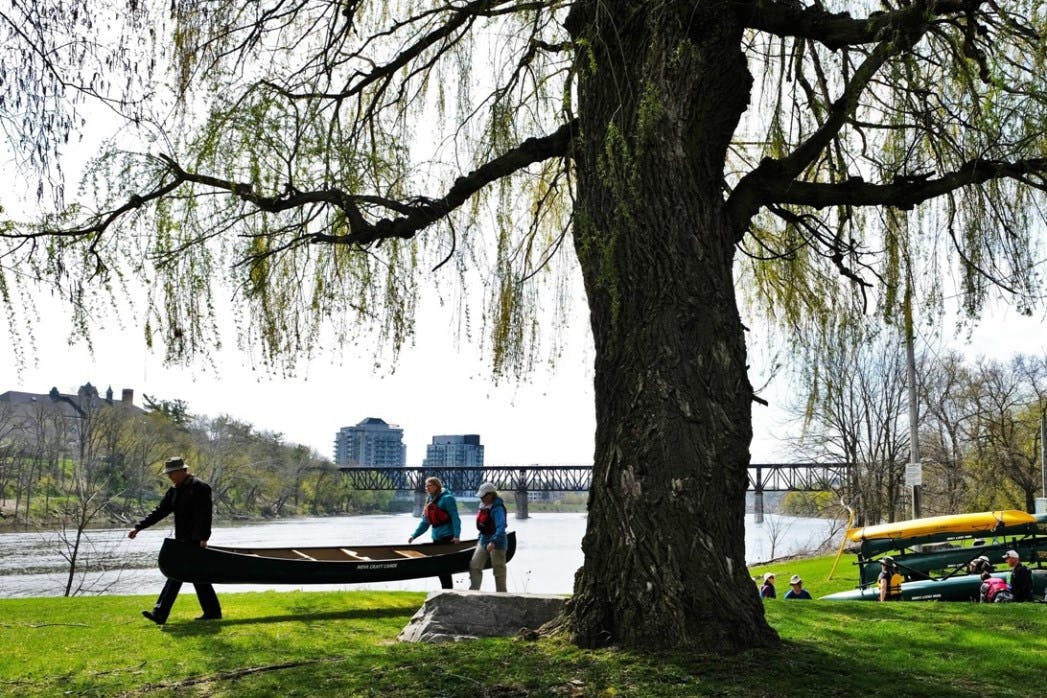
[
  {"x": 1021, "y": 576},
  {"x": 493, "y": 543},
  {"x": 796, "y": 590},
  {"x": 441, "y": 516},
  {"x": 767, "y": 590},
  {"x": 889, "y": 580},
  {"x": 189, "y": 499}
]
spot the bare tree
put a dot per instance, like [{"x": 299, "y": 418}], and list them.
[
  {"x": 857, "y": 414},
  {"x": 948, "y": 392},
  {"x": 1009, "y": 402}
]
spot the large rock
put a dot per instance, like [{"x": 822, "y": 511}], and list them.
[{"x": 453, "y": 615}]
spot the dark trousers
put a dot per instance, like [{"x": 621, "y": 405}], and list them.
[
  {"x": 445, "y": 579},
  {"x": 204, "y": 593}
]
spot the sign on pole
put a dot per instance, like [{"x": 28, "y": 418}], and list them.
[{"x": 914, "y": 474}]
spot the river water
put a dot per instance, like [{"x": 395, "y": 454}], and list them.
[{"x": 548, "y": 552}]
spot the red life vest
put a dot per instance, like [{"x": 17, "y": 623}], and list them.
[
  {"x": 485, "y": 519},
  {"x": 993, "y": 586},
  {"x": 435, "y": 515}
]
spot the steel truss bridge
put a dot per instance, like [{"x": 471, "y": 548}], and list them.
[{"x": 763, "y": 477}]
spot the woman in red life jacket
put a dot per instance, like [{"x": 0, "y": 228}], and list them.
[
  {"x": 441, "y": 515},
  {"x": 493, "y": 543}
]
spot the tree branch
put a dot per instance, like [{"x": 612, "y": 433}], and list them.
[
  {"x": 838, "y": 30},
  {"x": 752, "y": 190},
  {"x": 531, "y": 151},
  {"x": 907, "y": 192},
  {"x": 414, "y": 215}
]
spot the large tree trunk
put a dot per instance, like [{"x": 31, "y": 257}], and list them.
[{"x": 660, "y": 96}]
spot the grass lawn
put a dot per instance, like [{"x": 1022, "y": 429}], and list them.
[{"x": 343, "y": 644}]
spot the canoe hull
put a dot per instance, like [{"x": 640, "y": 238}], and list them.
[
  {"x": 915, "y": 565},
  {"x": 312, "y": 565},
  {"x": 963, "y": 588}
]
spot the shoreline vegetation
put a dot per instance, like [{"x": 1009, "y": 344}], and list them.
[
  {"x": 344, "y": 644},
  {"x": 573, "y": 503}
]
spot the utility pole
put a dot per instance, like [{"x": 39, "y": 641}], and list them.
[
  {"x": 1041, "y": 502},
  {"x": 914, "y": 471}
]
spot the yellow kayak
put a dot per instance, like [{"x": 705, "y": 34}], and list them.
[{"x": 959, "y": 524}]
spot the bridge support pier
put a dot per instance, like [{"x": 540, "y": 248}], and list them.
[
  {"x": 758, "y": 505},
  {"x": 419, "y": 501},
  {"x": 522, "y": 504},
  {"x": 522, "y": 500}
]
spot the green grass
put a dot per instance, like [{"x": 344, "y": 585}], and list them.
[
  {"x": 815, "y": 574},
  {"x": 343, "y": 644}
]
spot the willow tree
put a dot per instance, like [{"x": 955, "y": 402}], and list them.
[{"x": 327, "y": 156}]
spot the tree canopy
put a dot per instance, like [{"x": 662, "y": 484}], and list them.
[{"x": 825, "y": 159}]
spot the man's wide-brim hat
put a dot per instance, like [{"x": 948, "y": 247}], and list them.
[{"x": 174, "y": 464}]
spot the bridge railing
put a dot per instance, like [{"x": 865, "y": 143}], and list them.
[
  {"x": 763, "y": 477},
  {"x": 797, "y": 477},
  {"x": 520, "y": 480}
]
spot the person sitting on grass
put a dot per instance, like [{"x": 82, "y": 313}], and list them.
[
  {"x": 796, "y": 590},
  {"x": 767, "y": 590},
  {"x": 1021, "y": 576},
  {"x": 889, "y": 581}
]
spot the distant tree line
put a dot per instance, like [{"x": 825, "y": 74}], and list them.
[
  {"x": 979, "y": 430},
  {"x": 99, "y": 463}
]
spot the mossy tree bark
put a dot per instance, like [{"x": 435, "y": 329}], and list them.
[{"x": 665, "y": 547}]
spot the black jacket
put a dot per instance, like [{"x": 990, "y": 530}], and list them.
[
  {"x": 191, "y": 504},
  {"x": 1021, "y": 582}
]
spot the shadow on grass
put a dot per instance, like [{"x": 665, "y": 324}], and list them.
[
  {"x": 194, "y": 627},
  {"x": 791, "y": 669}
]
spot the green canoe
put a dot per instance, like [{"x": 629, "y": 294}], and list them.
[{"x": 962, "y": 588}]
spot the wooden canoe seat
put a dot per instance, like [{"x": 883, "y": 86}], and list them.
[
  {"x": 410, "y": 553},
  {"x": 302, "y": 555},
  {"x": 351, "y": 554}
]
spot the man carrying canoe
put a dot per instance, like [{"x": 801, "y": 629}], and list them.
[{"x": 189, "y": 499}]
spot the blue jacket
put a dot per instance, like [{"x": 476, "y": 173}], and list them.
[
  {"x": 802, "y": 594},
  {"x": 453, "y": 528},
  {"x": 499, "y": 538}
]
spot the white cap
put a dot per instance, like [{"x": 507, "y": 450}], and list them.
[
  {"x": 1012, "y": 553},
  {"x": 486, "y": 488},
  {"x": 795, "y": 579}
]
